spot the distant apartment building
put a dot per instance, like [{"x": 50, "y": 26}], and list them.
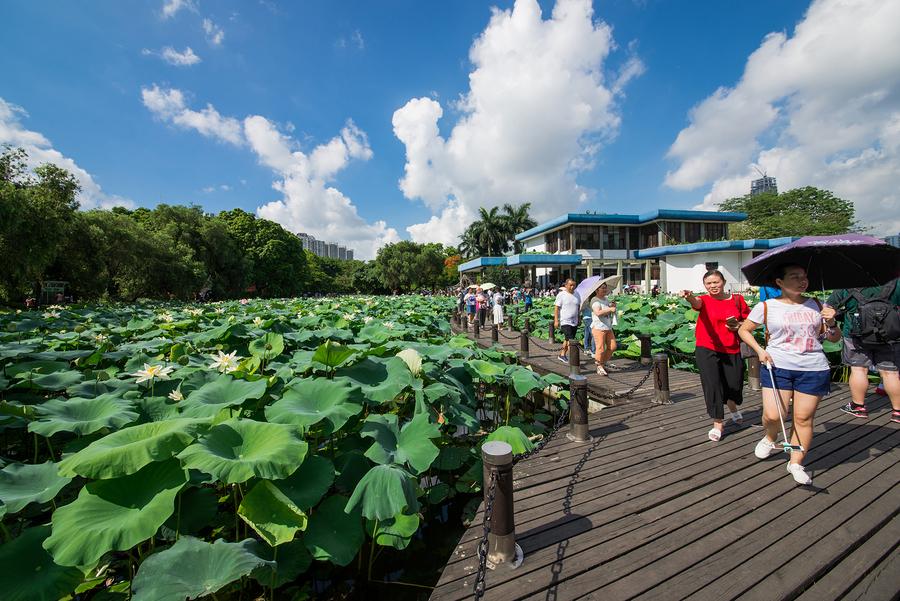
[
  {"x": 893, "y": 240},
  {"x": 763, "y": 185},
  {"x": 320, "y": 248}
]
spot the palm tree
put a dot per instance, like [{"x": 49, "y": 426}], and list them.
[
  {"x": 491, "y": 231},
  {"x": 517, "y": 221},
  {"x": 468, "y": 246}
]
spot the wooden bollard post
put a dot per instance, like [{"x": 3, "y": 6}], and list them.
[
  {"x": 527, "y": 329},
  {"x": 495, "y": 331},
  {"x": 661, "y": 379},
  {"x": 578, "y": 405},
  {"x": 509, "y": 323},
  {"x": 753, "y": 373},
  {"x": 465, "y": 323},
  {"x": 552, "y": 332},
  {"x": 502, "y": 548},
  {"x": 523, "y": 343},
  {"x": 574, "y": 358},
  {"x": 476, "y": 330},
  {"x": 646, "y": 351}
]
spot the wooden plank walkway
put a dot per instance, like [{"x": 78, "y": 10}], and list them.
[{"x": 653, "y": 510}]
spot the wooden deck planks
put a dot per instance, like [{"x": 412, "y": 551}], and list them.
[{"x": 656, "y": 511}]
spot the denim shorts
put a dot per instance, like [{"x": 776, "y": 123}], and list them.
[{"x": 815, "y": 383}]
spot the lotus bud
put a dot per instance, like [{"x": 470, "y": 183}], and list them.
[{"x": 412, "y": 359}]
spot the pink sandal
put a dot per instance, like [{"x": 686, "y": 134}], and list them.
[{"x": 715, "y": 435}]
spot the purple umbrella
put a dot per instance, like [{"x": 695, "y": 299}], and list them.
[{"x": 842, "y": 261}]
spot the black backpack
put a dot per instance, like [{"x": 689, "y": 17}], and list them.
[{"x": 876, "y": 321}]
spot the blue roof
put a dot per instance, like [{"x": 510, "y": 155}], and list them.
[
  {"x": 617, "y": 219},
  {"x": 480, "y": 263},
  {"x": 698, "y": 247},
  {"x": 542, "y": 259}
]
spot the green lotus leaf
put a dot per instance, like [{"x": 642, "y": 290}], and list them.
[
  {"x": 268, "y": 347},
  {"x": 23, "y": 484},
  {"x": 58, "y": 380},
  {"x": 485, "y": 371},
  {"x": 332, "y": 354},
  {"x": 451, "y": 458},
  {"x": 2, "y": 510},
  {"x": 193, "y": 568},
  {"x": 306, "y": 486},
  {"x": 224, "y": 391},
  {"x": 524, "y": 380},
  {"x": 126, "y": 451},
  {"x": 333, "y": 535},
  {"x": 95, "y": 387},
  {"x": 307, "y": 402},
  {"x": 28, "y": 573},
  {"x": 194, "y": 510},
  {"x": 381, "y": 380},
  {"x": 394, "y": 532},
  {"x": 115, "y": 515},
  {"x": 82, "y": 416},
  {"x": 437, "y": 493},
  {"x": 384, "y": 491},
  {"x": 272, "y": 514},
  {"x": 237, "y": 450},
  {"x": 512, "y": 435},
  {"x": 411, "y": 445},
  {"x": 156, "y": 408},
  {"x": 350, "y": 467},
  {"x": 292, "y": 559},
  {"x": 38, "y": 367}
]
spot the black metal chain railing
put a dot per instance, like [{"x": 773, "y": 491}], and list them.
[
  {"x": 483, "y": 543},
  {"x": 561, "y": 421},
  {"x": 621, "y": 395}
]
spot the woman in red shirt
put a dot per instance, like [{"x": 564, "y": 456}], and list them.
[{"x": 718, "y": 353}]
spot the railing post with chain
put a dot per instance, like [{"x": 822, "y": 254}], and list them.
[
  {"x": 523, "y": 343},
  {"x": 501, "y": 546},
  {"x": 574, "y": 358},
  {"x": 578, "y": 406},
  {"x": 475, "y": 327},
  {"x": 661, "y": 379},
  {"x": 753, "y": 373},
  {"x": 646, "y": 359},
  {"x": 465, "y": 323},
  {"x": 552, "y": 330},
  {"x": 509, "y": 323},
  {"x": 495, "y": 333},
  {"x": 527, "y": 329}
]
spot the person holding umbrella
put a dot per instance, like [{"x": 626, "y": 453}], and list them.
[
  {"x": 603, "y": 312},
  {"x": 718, "y": 349},
  {"x": 794, "y": 357}
]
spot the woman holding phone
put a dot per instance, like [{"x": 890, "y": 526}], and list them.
[
  {"x": 795, "y": 326},
  {"x": 718, "y": 354}
]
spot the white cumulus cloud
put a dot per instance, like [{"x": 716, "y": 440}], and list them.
[
  {"x": 540, "y": 105},
  {"x": 820, "y": 107},
  {"x": 40, "y": 150},
  {"x": 169, "y": 105},
  {"x": 171, "y": 7},
  {"x": 309, "y": 202},
  {"x": 173, "y": 57},
  {"x": 215, "y": 35}
]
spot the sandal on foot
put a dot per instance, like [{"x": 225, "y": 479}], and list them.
[
  {"x": 715, "y": 435},
  {"x": 737, "y": 418},
  {"x": 601, "y": 371}
]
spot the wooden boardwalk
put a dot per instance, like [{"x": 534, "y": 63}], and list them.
[{"x": 653, "y": 510}]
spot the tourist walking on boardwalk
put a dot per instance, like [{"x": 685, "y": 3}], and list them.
[
  {"x": 498, "y": 308},
  {"x": 871, "y": 331},
  {"x": 565, "y": 316},
  {"x": 603, "y": 312},
  {"x": 529, "y": 299},
  {"x": 471, "y": 305},
  {"x": 794, "y": 325},
  {"x": 480, "y": 305},
  {"x": 718, "y": 353}
]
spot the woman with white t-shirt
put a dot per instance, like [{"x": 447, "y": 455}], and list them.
[
  {"x": 603, "y": 312},
  {"x": 794, "y": 329}
]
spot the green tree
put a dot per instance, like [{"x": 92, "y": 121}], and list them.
[
  {"x": 518, "y": 219},
  {"x": 407, "y": 266},
  {"x": 805, "y": 211}
]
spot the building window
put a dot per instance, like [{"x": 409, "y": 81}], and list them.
[
  {"x": 712, "y": 265},
  {"x": 715, "y": 231},
  {"x": 614, "y": 237},
  {"x": 671, "y": 232},
  {"x": 564, "y": 239},
  {"x": 650, "y": 236},
  {"x": 587, "y": 236},
  {"x": 634, "y": 238},
  {"x": 552, "y": 242},
  {"x": 691, "y": 231}
]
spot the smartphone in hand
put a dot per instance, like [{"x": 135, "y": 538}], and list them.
[{"x": 731, "y": 321}]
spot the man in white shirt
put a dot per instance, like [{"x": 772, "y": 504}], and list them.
[{"x": 566, "y": 311}]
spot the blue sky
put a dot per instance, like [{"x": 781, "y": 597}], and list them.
[{"x": 314, "y": 98}]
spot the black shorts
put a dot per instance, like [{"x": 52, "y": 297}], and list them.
[
  {"x": 568, "y": 331},
  {"x": 883, "y": 358}
]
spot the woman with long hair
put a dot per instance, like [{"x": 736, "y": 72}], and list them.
[
  {"x": 795, "y": 326},
  {"x": 718, "y": 352}
]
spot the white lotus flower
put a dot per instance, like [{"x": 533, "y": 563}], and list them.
[
  {"x": 176, "y": 395},
  {"x": 349, "y": 316},
  {"x": 51, "y": 314},
  {"x": 225, "y": 363},
  {"x": 166, "y": 317},
  {"x": 220, "y": 310},
  {"x": 367, "y": 318},
  {"x": 100, "y": 338},
  {"x": 152, "y": 372},
  {"x": 258, "y": 321},
  {"x": 389, "y": 325},
  {"x": 56, "y": 307},
  {"x": 412, "y": 359},
  {"x": 195, "y": 312}
]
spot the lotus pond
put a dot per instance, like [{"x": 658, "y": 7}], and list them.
[{"x": 256, "y": 449}]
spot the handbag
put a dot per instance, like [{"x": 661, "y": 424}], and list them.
[{"x": 746, "y": 351}]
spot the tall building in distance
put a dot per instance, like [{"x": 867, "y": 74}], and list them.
[
  {"x": 763, "y": 185},
  {"x": 320, "y": 248},
  {"x": 893, "y": 240}
]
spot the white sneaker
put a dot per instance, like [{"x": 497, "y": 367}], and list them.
[
  {"x": 799, "y": 474},
  {"x": 765, "y": 448}
]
